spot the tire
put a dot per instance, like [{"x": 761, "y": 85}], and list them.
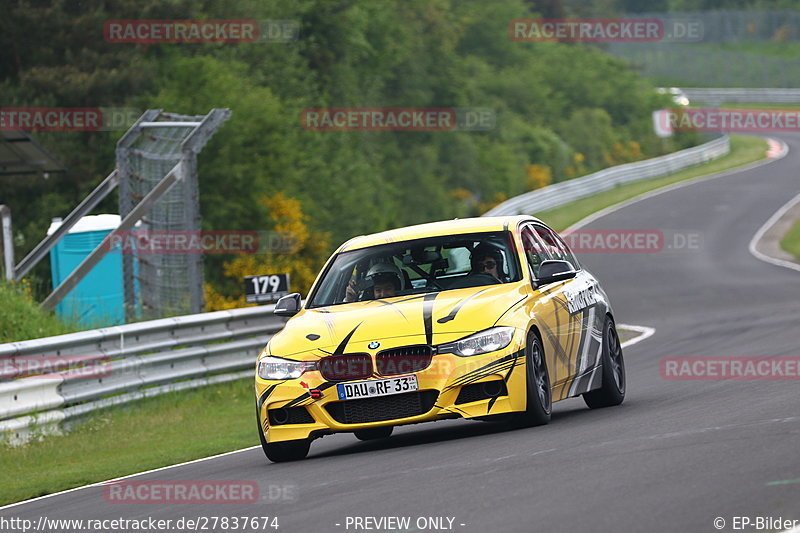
[
  {"x": 612, "y": 391},
  {"x": 374, "y": 433},
  {"x": 539, "y": 399},
  {"x": 279, "y": 452}
]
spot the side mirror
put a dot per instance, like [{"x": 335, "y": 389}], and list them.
[
  {"x": 289, "y": 305},
  {"x": 552, "y": 271}
]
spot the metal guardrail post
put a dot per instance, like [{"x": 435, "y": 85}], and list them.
[{"x": 8, "y": 243}]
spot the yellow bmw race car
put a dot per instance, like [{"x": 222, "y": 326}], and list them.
[{"x": 475, "y": 318}]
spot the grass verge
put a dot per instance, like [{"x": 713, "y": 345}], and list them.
[
  {"x": 744, "y": 150},
  {"x": 791, "y": 241},
  {"x": 156, "y": 432},
  {"x": 184, "y": 426}
]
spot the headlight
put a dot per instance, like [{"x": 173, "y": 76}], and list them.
[
  {"x": 277, "y": 368},
  {"x": 485, "y": 341}
]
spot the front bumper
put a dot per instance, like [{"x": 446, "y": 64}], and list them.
[{"x": 450, "y": 387}]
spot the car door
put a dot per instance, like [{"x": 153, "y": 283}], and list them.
[
  {"x": 581, "y": 313},
  {"x": 549, "y": 308}
]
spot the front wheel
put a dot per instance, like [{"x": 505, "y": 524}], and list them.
[
  {"x": 612, "y": 391},
  {"x": 537, "y": 386},
  {"x": 279, "y": 452}
]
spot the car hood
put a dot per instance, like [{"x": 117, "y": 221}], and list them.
[{"x": 430, "y": 318}]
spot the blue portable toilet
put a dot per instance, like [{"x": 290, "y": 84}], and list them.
[{"x": 98, "y": 300}]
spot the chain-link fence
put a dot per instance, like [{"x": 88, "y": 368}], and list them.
[{"x": 164, "y": 284}]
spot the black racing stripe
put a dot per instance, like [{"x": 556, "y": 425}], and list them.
[
  {"x": 394, "y": 307},
  {"x": 328, "y": 323},
  {"x": 306, "y": 396},
  {"x": 265, "y": 395},
  {"x": 412, "y": 298},
  {"x": 516, "y": 356},
  {"x": 548, "y": 290},
  {"x": 509, "y": 308},
  {"x": 427, "y": 315},
  {"x": 451, "y": 407},
  {"x": 475, "y": 379},
  {"x": 298, "y": 400},
  {"x": 491, "y": 404},
  {"x": 342, "y": 345},
  {"x": 458, "y": 307},
  {"x": 489, "y": 368}
]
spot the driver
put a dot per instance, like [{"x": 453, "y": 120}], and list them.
[
  {"x": 488, "y": 259},
  {"x": 386, "y": 281}
]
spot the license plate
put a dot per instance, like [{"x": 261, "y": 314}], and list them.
[{"x": 377, "y": 387}]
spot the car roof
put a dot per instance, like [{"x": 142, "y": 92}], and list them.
[{"x": 456, "y": 226}]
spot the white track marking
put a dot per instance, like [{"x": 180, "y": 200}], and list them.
[
  {"x": 645, "y": 332},
  {"x": 753, "y": 247},
  {"x": 616, "y": 207},
  {"x": 101, "y": 483}
]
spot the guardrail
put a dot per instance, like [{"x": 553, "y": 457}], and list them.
[
  {"x": 568, "y": 191},
  {"x": 717, "y": 96},
  {"x": 126, "y": 363}
]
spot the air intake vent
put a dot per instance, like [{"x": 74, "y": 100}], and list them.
[{"x": 383, "y": 408}]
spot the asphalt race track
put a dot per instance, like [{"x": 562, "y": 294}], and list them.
[{"x": 674, "y": 457}]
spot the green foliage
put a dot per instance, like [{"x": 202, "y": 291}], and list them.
[
  {"x": 361, "y": 53},
  {"x": 21, "y": 318}
]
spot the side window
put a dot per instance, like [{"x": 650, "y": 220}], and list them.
[
  {"x": 534, "y": 250},
  {"x": 557, "y": 248}
]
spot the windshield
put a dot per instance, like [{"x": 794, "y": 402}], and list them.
[{"x": 419, "y": 266}]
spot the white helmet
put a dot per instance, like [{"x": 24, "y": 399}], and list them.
[{"x": 381, "y": 271}]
